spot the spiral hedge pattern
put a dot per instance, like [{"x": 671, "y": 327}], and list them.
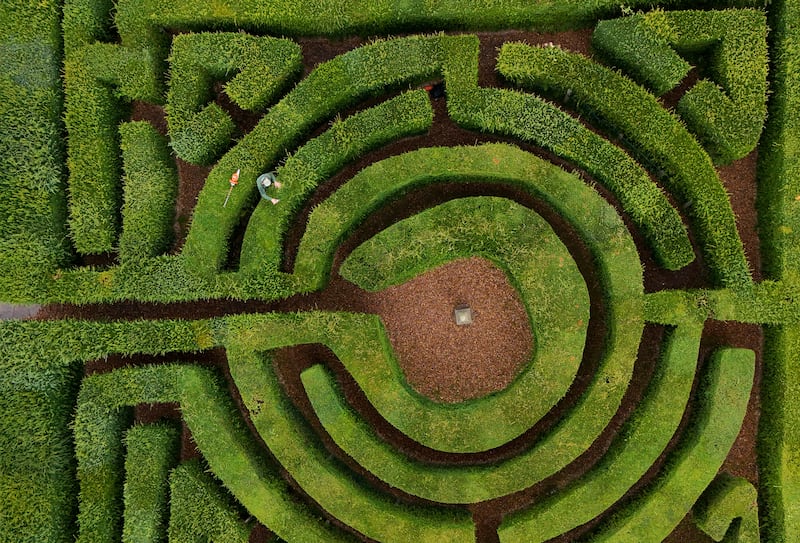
[{"x": 628, "y": 421}]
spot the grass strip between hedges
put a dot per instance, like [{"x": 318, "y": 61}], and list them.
[{"x": 640, "y": 118}]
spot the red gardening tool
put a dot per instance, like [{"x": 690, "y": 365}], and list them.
[{"x": 234, "y": 181}]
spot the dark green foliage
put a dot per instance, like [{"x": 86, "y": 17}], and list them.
[
  {"x": 32, "y": 203},
  {"x": 102, "y": 415},
  {"x": 150, "y": 190},
  {"x": 152, "y": 451},
  {"x": 636, "y": 114},
  {"x": 202, "y": 511},
  {"x": 256, "y": 69},
  {"x": 779, "y": 227},
  {"x": 96, "y": 78},
  {"x": 534, "y": 120},
  {"x": 727, "y": 113},
  {"x": 369, "y": 18},
  {"x": 37, "y": 485}
]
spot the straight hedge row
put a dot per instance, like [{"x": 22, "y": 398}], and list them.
[
  {"x": 40, "y": 368},
  {"x": 727, "y": 114},
  {"x": 140, "y": 19},
  {"x": 629, "y": 109},
  {"x": 779, "y": 228},
  {"x": 201, "y": 131},
  {"x": 153, "y": 450},
  {"x": 33, "y": 236},
  {"x": 149, "y": 192}
]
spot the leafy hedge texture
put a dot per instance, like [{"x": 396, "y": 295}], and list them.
[{"x": 210, "y": 384}]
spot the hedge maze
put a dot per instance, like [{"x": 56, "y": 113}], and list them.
[{"x": 634, "y": 172}]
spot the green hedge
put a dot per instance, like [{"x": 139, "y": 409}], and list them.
[
  {"x": 96, "y": 77},
  {"x": 725, "y": 393},
  {"x": 615, "y": 253},
  {"x": 152, "y": 451},
  {"x": 324, "y": 479},
  {"x": 629, "y": 109},
  {"x": 368, "y": 18},
  {"x": 149, "y": 192},
  {"x": 37, "y": 486},
  {"x": 539, "y": 122},
  {"x": 728, "y": 500},
  {"x": 726, "y": 114},
  {"x": 525, "y": 247},
  {"x": 32, "y": 202},
  {"x": 331, "y": 87},
  {"x": 200, "y": 510},
  {"x": 636, "y": 447},
  {"x": 408, "y": 114},
  {"x": 265, "y": 66},
  {"x": 618, "y": 265},
  {"x": 103, "y": 413},
  {"x": 779, "y": 228}
]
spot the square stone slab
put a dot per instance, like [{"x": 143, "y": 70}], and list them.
[{"x": 463, "y": 315}]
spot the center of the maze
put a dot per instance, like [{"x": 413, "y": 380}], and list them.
[{"x": 448, "y": 362}]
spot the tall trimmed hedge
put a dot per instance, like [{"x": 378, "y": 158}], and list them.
[
  {"x": 629, "y": 109},
  {"x": 152, "y": 451},
  {"x": 726, "y": 113},
  {"x": 200, "y": 509},
  {"x": 149, "y": 193},
  {"x": 255, "y": 70},
  {"x": 33, "y": 210},
  {"x": 779, "y": 228}
]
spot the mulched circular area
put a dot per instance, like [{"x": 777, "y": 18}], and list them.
[{"x": 447, "y": 362}]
